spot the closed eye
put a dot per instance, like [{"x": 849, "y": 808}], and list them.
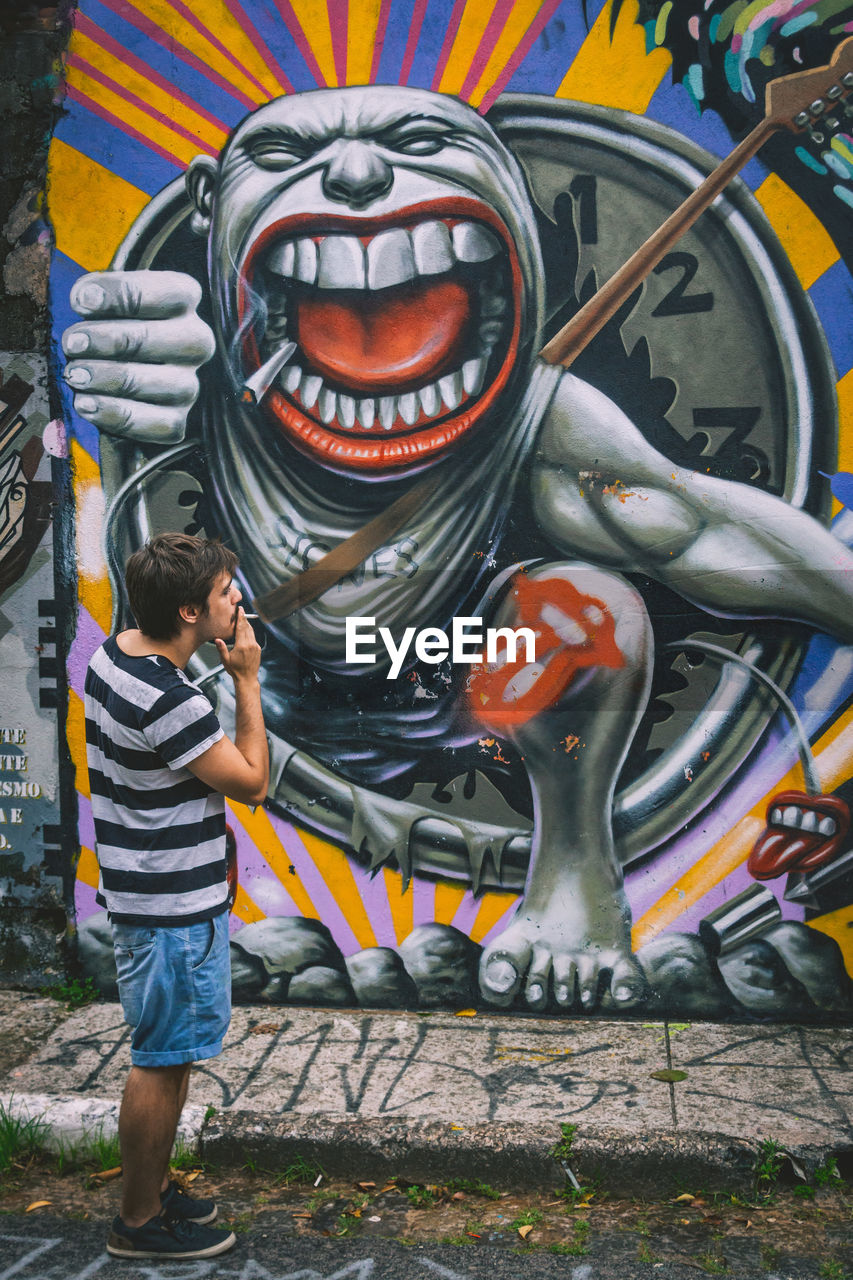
[{"x": 274, "y": 150}]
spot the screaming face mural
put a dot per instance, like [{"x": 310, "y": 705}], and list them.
[{"x": 350, "y": 298}]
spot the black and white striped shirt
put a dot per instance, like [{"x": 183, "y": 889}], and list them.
[{"x": 159, "y": 830}]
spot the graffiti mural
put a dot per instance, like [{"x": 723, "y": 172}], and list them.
[
  {"x": 550, "y": 560},
  {"x": 31, "y": 890}
]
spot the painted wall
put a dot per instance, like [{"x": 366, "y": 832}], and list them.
[{"x": 380, "y": 264}]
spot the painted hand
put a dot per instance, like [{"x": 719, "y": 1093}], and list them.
[{"x": 133, "y": 359}]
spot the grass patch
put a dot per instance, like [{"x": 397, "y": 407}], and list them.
[
  {"x": 768, "y": 1166},
  {"x": 474, "y": 1187},
  {"x": 421, "y": 1197},
  {"x": 831, "y": 1270},
  {"x": 101, "y": 1150},
  {"x": 300, "y": 1172},
  {"x": 75, "y": 994},
  {"x": 828, "y": 1174},
  {"x": 20, "y": 1139},
  {"x": 529, "y": 1218},
  {"x": 712, "y": 1263},
  {"x": 644, "y": 1253}
]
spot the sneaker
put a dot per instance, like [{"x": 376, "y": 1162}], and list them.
[
  {"x": 177, "y": 1204},
  {"x": 168, "y": 1238}
]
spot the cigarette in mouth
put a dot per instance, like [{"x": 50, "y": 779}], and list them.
[
  {"x": 257, "y": 386},
  {"x": 251, "y": 615}
]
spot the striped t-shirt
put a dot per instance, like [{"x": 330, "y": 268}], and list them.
[{"x": 159, "y": 830}]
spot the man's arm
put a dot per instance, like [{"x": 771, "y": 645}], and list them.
[
  {"x": 240, "y": 769},
  {"x": 602, "y": 492}
]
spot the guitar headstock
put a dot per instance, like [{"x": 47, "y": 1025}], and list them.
[{"x": 804, "y": 98}]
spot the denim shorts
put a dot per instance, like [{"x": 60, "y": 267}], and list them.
[{"x": 175, "y": 989}]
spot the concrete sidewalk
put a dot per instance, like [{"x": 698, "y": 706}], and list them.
[{"x": 433, "y": 1096}]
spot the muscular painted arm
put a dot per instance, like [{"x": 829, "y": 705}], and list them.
[{"x": 601, "y": 492}]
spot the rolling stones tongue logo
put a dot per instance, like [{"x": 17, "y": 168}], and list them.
[
  {"x": 573, "y": 631},
  {"x": 803, "y": 832}
]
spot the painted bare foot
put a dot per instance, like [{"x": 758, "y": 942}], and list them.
[{"x": 545, "y": 961}]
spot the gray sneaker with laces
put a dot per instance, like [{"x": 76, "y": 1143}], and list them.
[{"x": 163, "y": 1237}]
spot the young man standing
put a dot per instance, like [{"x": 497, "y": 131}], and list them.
[{"x": 160, "y": 767}]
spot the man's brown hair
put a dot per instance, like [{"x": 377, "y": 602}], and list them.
[{"x": 172, "y": 570}]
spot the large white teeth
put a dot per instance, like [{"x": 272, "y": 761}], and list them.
[
  {"x": 802, "y": 820},
  {"x": 474, "y": 243},
  {"x": 367, "y": 413},
  {"x": 390, "y": 259},
  {"x": 327, "y": 404},
  {"x": 387, "y": 412},
  {"x": 282, "y": 258},
  {"x": 450, "y": 387},
  {"x": 430, "y": 400},
  {"x": 433, "y": 249},
  {"x": 291, "y": 378},
  {"x": 310, "y": 390},
  {"x": 305, "y": 268},
  {"x": 473, "y": 373},
  {"x": 409, "y": 407},
  {"x": 346, "y": 411},
  {"x": 341, "y": 263}
]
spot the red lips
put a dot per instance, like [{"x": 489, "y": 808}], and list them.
[
  {"x": 574, "y": 631},
  {"x": 803, "y": 832}
]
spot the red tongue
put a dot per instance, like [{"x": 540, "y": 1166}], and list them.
[
  {"x": 372, "y": 344},
  {"x": 781, "y": 850}
]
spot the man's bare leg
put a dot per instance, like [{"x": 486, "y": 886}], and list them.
[
  {"x": 148, "y": 1121},
  {"x": 570, "y": 939}
]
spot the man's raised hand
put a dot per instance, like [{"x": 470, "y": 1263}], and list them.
[
  {"x": 243, "y": 660},
  {"x": 133, "y": 358}
]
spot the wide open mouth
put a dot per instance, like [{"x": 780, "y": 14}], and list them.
[
  {"x": 406, "y": 329},
  {"x": 803, "y": 832}
]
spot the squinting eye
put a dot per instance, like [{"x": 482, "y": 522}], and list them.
[
  {"x": 422, "y": 144},
  {"x": 275, "y": 158}
]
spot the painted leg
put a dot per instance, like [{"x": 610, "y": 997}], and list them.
[{"x": 572, "y": 714}]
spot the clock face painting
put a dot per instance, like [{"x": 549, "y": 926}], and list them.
[{"x": 335, "y": 255}]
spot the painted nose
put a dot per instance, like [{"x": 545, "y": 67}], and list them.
[{"x": 357, "y": 175}]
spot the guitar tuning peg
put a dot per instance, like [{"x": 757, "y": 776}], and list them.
[
  {"x": 831, "y": 123},
  {"x": 802, "y": 119},
  {"x": 817, "y": 107},
  {"x": 847, "y": 80},
  {"x": 833, "y": 92},
  {"x": 817, "y": 137}
]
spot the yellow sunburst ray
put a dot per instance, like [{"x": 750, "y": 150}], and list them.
[
  {"x": 313, "y": 18},
  {"x": 833, "y": 758},
  {"x": 363, "y": 21},
  {"x": 245, "y": 68},
  {"x": 336, "y": 869},
  {"x": 475, "y": 18},
  {"x": 158, "y": 98},
  {"x": 265, "y": 838},
  {"x": 400, "y": 904},
  {"x": 515, "y": 28}
]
